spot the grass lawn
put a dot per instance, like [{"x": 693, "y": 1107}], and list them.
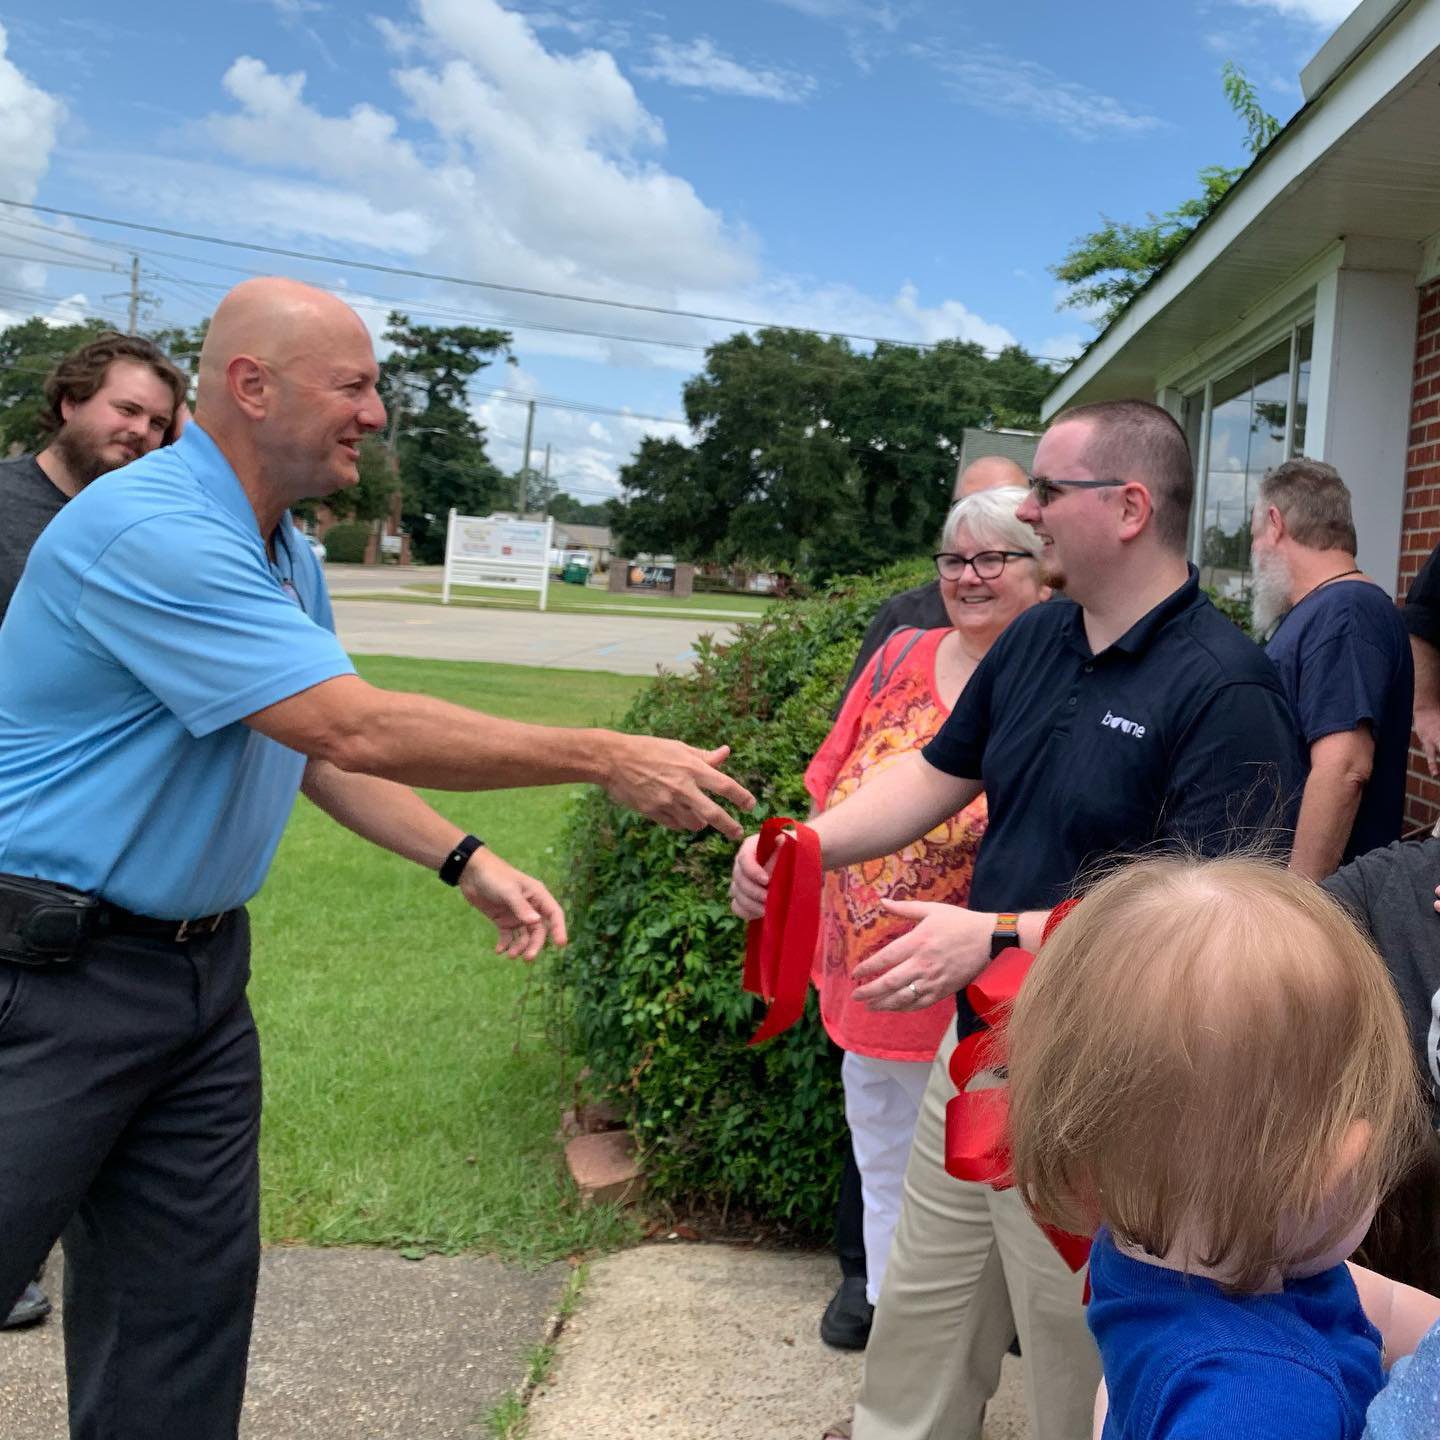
[
  {"x": 411, "y": 1092},
  {"x": 571, "y": 599}
]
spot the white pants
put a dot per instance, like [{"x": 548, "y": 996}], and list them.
[{"x": 882, "y": 1103}]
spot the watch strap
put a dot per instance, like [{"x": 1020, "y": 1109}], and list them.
[
  {"x": 1005, "y": 934},
  {"x": 459, "y": 858}
]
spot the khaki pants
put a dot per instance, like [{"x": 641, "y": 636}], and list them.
[{"x": 968, "y": 1270}]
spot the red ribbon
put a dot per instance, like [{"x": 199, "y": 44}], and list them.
[
  {"x": 780, "y": 946},
  {"x": 977, "y": 1139}
]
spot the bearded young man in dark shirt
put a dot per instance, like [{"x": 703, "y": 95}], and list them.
[{"x": 108, "y": 403}]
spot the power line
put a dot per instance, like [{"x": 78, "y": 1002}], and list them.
[{"x": 413, "y": 273}]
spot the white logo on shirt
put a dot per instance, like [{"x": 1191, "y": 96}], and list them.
[{"x": 1119, "y": 722}]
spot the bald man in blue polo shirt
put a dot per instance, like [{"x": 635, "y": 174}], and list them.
[{"x": 171, "y": 679}]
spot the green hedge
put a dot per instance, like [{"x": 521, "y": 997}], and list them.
[
  {"x": 345, "y": 543},
  {"x": 652, "y": 974}
]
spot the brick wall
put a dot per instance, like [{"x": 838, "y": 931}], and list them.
[{"x": 1420, "y": 528}]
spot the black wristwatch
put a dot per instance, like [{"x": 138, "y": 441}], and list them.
[
  {"x": 459, "y": 858},
  {"x": 1005, "y": 934}
]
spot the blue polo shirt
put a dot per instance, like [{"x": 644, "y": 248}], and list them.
[
  {"x": 1178, "y": 733},
  {"x": 148, "y": 622}
]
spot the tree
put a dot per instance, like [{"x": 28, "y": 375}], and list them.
[
  {"x": 568, "y": 510},
  {"x": 440, "y": 447},
  {"x": 183, "y": 344},
  {"x": 1111, "y": 265},
  {"x": 809, "y": 457}
]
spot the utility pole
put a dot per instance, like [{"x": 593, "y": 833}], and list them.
[
  {"x": 525, "y": 468},
  {"x": 134, "y": 293}
]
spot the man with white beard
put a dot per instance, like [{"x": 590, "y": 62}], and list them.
[{"x": 1343, "y": 655}]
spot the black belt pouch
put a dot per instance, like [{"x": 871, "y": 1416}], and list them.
[{"x": 42, "y": 923}]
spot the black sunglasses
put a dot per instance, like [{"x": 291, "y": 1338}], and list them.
[{"x": 1045, "y": 490}]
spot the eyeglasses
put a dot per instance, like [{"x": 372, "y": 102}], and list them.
[
  {"x": 1045, "y": 490},
  {"x": 987, "y": 564}
]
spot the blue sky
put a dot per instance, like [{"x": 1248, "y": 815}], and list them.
[{"x": 907, "y": 168}]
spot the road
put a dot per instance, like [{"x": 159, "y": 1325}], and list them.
[{"x": 627, "y": 644}]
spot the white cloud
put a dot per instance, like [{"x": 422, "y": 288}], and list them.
[
  {"x": 29, "y": 120},
  {"x": 586, "y": 454},
  {"x": 990, "y": 80},
  {"x": 507, "y": 162},
  {"x": 537, "y": 168},
  {"x": 851, "y": 12},
  {"x": 1326, "y": 13},
  {"x": 698, "y": 65}
]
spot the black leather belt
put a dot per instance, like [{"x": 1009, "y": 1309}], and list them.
[{"x": 116, "y": 921}]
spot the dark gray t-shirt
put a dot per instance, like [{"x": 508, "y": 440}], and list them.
[
  {"x": 29, "y": 501},
  {"x": 1391, "y": 892}
]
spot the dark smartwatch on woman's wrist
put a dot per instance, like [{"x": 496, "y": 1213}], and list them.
[
  {"x": 1005, "y": 934},
  {"x": 458, "y": 859}
]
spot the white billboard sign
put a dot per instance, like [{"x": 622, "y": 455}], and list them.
[{"x": 513, "y": 554}]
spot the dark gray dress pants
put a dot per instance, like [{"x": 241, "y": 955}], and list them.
[{"x": 130, "y": 1121}]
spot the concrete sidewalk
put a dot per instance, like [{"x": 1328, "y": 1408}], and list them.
[
  {"x": 710, "y": 1342},
  {"x": 357, "y": 1344},
  {"x": 668, "y": 1342}
]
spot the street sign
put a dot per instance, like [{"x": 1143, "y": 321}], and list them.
[{"x": 513, "y": 554}]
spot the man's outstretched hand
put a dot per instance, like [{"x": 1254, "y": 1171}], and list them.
[
  {"x": 525, "y": 913},
  {"x": 671, "y": 782}
]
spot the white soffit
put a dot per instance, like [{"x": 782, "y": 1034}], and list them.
[{"x": 1362, "y": 160}]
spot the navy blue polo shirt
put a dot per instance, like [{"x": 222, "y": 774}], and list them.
[
  {"x": 1178, "y": 733},
  {"x": 1343, "y": 656}
]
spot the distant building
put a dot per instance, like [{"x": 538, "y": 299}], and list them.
[
  {"x": 1016, "y": 445},
  {"x": 595, "y": 539}
]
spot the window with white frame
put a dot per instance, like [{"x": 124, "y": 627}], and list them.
[{"x": 1245, "y": 420}]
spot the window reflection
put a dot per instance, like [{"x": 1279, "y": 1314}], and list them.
[{"x": 1248, "y": 411}]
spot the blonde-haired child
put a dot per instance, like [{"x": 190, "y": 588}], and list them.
[{"x": 1209, "y": 1067}]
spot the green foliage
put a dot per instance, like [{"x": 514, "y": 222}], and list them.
[
  {"x": 1237, "y": 611},
  {"x": 566, "y": 507},
  {"x": 345, "y": 543},
  {"x": 441, "y": 449},
  {"x": 811, "y": 458},
  {"x": 1110, "y": 266},
  {"x": 654, "y": 964}
]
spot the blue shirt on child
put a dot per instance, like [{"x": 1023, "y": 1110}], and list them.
[{"x": 1186, "y": 1359}]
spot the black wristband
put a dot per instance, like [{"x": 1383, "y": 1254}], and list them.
[{"x": 459, "y": 858}]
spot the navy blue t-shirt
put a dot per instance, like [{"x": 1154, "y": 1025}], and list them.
[
  {"x": 1185, "y": 1360},
  {"x": 1178, "y": 733},
  {"x": 1343, "y": 655}
]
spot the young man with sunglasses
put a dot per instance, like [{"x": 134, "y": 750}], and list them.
[{"x": 1138, "y": 718}]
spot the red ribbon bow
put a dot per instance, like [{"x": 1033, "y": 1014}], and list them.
[
  {"x": 977, "y": 1138},
  {"x": 780, "y": 946}
]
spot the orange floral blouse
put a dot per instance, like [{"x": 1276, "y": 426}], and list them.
[{"x": 872, "y": 731}]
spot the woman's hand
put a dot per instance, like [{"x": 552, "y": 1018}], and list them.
[
  {"x": 750, "y": 880},
  {"x": 946, "y": 950}
]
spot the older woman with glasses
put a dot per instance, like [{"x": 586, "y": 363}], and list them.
[{"x": 990, "y": 570}]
